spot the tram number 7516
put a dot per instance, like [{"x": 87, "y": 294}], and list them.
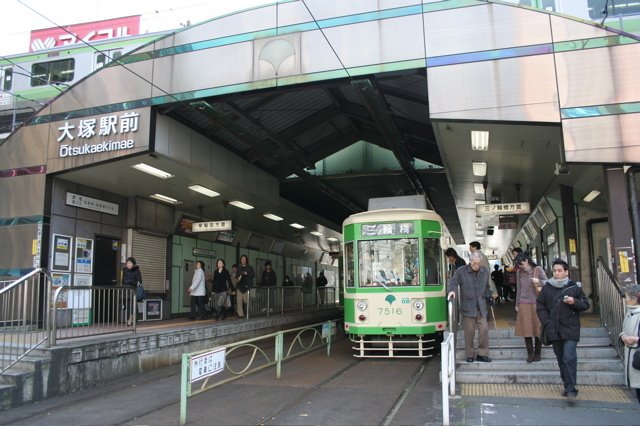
[{"x": 389, "y": 311}]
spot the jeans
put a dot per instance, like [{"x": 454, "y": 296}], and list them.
[{"x": 567, "y": 357}]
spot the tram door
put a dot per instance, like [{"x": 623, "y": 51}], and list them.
[{"x": 187, "y": 276}]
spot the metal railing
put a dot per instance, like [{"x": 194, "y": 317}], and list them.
[
  {"x": 23, "y": 317},
  {"x": 200, "y": 367},
  {"x": 267, "y": 300},
  {"x": 326, "y": 297},
  {"x": 611, "y": 302},
  {"x": 81, "y": 311},
  {"x": 448, "y": 362}
]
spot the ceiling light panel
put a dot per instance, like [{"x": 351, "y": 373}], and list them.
[
  {"x": 152, "y": 171},
  {"x": 273, "y": 217},
  {"x": 479, "y": 140},
  {"x": 591, "y": 196},
  {"x": 297, "y": 226},
  {"x": 478, "y": 188},
  {"x": 241, "y": 205},
  {"x": 479, "y": 168},
  {"x": 317, "y": 234},
  {"x": 204, "y": 190},
  {"x": 332, "y": 239},
  {"x": 165, "y": 199}
]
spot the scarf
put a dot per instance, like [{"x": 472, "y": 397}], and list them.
[
  {"x": 558, "y": 283},
  {"x": 634, "y": 309}
]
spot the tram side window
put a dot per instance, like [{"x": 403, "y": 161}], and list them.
[
  {"x": 350, "y": 262},
  {"x": 53, "y": 72},
  {"x": 384, "y": 263},
  {"x": 432, "y": 260},
  {"x": 6, "y": 74}
]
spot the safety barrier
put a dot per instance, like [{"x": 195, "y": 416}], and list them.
[
  {"x": 267, "y": 300},
  {"x": 80, "y": 311},
  {"x": 199, "y": 367},
  {"x": 23, "y": 316},
  {"x": 448, "y": 362},
  {"x": 611, "y": 302},
  {"x": 326, "y": 296}
]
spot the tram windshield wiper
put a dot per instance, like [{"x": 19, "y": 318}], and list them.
[{"x": 383, "y": 285}]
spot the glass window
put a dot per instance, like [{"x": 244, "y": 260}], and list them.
[
  {"x": 52, "y": 72},
  {"x": 392, "y": 262},
  {"x": 103, "y": 58},
  {"x": 432, "y": 262},
  {"x": 350, "y": 264},
  {"x": 616, "y": 8},
  {"x": 7, "y": 78}
]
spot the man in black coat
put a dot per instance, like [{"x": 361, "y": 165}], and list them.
[{"x": 558, "y": 306}]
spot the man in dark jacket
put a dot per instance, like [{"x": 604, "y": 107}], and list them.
[
  {"x": 475, "y": 294},
  {"x": 558, "y": 306}
]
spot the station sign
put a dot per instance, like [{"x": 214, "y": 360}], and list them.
[
  {"x": 89, "y": 203},
  {"x": 502, "y": 209},
  {"x": 196, "y": 251},
  {"x": 212, "y": 226}
]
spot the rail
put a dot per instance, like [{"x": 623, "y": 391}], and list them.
[
  {"x": 267, "y": 300},
  {"x": 611, "y": 301},
  {"x": 448, "y": 362},
  {"x": 200, "y": 367},
  {"x": 23, "y": 316},
  {"x": 80, "y": 311}
]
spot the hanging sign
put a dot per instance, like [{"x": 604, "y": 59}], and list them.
[
  {"x": 84, "y": 202},
  {"x": 504, "y": 208},
  {"x": 218, "y": 225}
]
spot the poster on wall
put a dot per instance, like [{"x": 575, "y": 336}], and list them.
[
  {"x": 84, "y": 255},
  {"x": 58, "y": 280},
  {"x": 80, "y": 300},
  {"x": 61, "y": 253}
]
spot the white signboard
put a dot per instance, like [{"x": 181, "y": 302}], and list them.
[
  {"x": 84, "y": 202},
  {"x": 219, "y": 225},
  {"x": 207, "y": 364},
  {"x": 504, "y": 208}
]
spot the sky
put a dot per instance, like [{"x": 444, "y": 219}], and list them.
[{"x": 157, "y": 15}]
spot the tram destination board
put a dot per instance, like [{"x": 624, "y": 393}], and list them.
[{"x": 380, "y": 229}]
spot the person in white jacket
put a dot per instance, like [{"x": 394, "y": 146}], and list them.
[
  {"x": 198, "y": 291},
  {"x": 630, "y": 336}
]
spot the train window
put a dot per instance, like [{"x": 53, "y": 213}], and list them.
[
  {"x": 615, "y": 8},
  {"x": 432, "y": 260},
  {"x": 53, "y": 72},
  {"x": 6, "y": 77},
  {"x": 350, "y": 264},
  {"x": 103, "y": 58},
  {"x": 393, "y": 262}
]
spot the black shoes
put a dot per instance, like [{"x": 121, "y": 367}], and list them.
[
  {"x": 470, "y": 359},
  {"x": 482, "y": 358}
]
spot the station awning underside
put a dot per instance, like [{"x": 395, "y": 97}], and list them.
[{"x": 286, "y": 131}]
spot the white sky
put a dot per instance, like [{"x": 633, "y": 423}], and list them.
[{"x": 157, "y": 15}]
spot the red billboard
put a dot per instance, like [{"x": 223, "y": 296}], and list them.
[{"x": 48, "y": 38}]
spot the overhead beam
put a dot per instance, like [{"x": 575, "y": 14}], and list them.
[{"x": 383, "y": 120}]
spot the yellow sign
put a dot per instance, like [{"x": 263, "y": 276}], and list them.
[
  {"x": 34, "y": 247},
  {"x": 624, "y": 262},
  {"x": 572, "y": 245}
]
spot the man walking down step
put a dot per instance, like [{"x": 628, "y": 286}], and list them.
[
  {"x": 475, "y": 294},
  {"x": 558, "y": 306}
]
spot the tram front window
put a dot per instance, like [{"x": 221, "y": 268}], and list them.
[{"x": 388, "y": 263}]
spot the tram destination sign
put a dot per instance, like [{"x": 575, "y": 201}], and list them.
[
  {"x": 380, "y": 229},
  {"x": 503, "y": 209}
]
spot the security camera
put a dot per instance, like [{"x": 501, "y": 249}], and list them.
[{"x": 561, "y": 169}]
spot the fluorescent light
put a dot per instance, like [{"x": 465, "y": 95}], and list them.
[
  {"x": 203, "y": 190},
  {"x": 317, "y": 234},
  {"x": 479, "y": 168},
  {"x": 152, "y": 171},
  {"x": 591, "y": 196},
  {"x": 297, "y": 226},
  {"x": 478, "y": 188},
  {"x": 165, "y": 199},
  {"x": 479, "y": 233},
  {"x": 332, "y": 239},
  {"x": 478, "y": 202},
  {"x": 272, "y": 217},
  {"x": 241, "y": 205},
  {"x": 479, "y": 140}
]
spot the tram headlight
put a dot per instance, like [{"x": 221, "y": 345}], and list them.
[
  {"x": 361, "y": 305},
  {"x": 418, "y": 305}
]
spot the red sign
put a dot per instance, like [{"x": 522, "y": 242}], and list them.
[{"x": 48, "y": 38}]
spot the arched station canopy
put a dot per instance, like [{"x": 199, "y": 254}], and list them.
[{"x": 337, "y": 102}]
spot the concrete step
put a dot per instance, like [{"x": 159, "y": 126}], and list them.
[
  {"x": 510, "y": 332},
  {"x": 7, "y": 392},
  {"x": 28, "y": 363},
  {"x": 547, "y": 352},
  {"x": 518, "y": 342},
  {"x": 505, "y": 366},
  {"x": 596, "y": 378}
]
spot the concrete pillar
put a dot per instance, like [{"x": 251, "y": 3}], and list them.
[
  {"x": 620, "y": 226},
  {"x": 570, "y": 234}
]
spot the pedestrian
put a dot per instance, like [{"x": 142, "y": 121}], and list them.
[
  {"x": 531, "y": 277},
  {"x": 454, "y": 260},
  {"x": 513, "y": 272},
  {"x": 221, "y": 285},
  {"x": 131, "y": 276},
  {"x": 234, "y": 289},
  {"x": 245, "y": 276},
  {"x": 321, "y": 283},
  {"x": 498, "y": 279},
  {"x": 475, "y": 296},
  {"x": 198, "y": 291},
  {"x": 268, "y": 278},
  {"x": 287, "y": 281},
  {"x": 476, "y": 247},
  {"x": 630, "y": 336},
  {"x": 559, "y": 305}
]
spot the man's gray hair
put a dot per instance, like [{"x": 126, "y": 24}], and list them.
[{"x": 475, "y": 256}]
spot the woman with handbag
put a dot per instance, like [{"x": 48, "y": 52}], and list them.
[
  {"x": 530, "y": 280},
  {"x": 131, "y": 276},
  {"x": 630, "y": 336}
]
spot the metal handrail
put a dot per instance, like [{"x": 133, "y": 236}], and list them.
[
  {"x": 448, "y": 362},
  {"x": 611, "y": 301},
  {"x": 453, "y": 315},
  {"x": 23, "y": 317}
]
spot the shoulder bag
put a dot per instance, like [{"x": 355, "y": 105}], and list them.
[{"x": 140, "y": 293}]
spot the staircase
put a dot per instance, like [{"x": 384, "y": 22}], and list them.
[
  {"x": 598, "y": 361},
  {"x": 25, "y": 381}
]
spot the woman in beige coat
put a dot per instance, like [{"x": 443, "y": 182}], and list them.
[{"x": 531, "y": 277}]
